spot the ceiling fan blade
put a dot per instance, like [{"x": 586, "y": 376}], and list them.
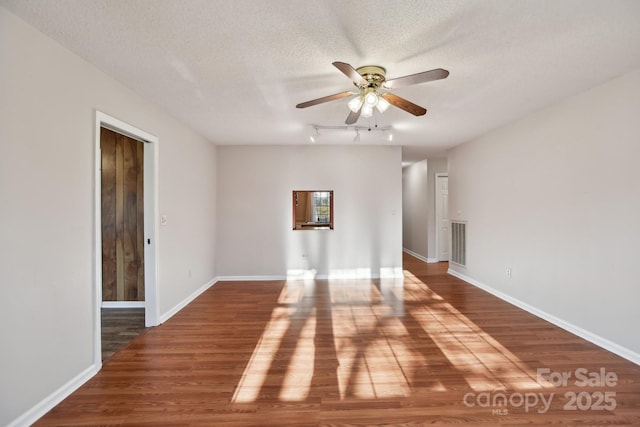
[
  {"x": 351, "y": 72},
  {"x": 414, "y": 79},
  {"x": 403, "y": 104},
  {"x": 353, "y": 116},
  {"x": 324, "y": 99}
]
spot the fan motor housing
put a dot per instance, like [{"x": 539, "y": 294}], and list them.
[{"x": 373, "y": 74}]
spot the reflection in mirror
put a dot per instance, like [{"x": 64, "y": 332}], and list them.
[{"x": 312, "y": 210}]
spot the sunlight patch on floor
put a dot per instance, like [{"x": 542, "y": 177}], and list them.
[
  {"x": 486, "y": 363},
  {"x": 297, "y": 380},
  {"x": 366, "y": 348},
  {"x": 256, "y": 371},
  {"x": 388, "y": 339}
]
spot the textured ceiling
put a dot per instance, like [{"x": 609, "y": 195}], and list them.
[{"x": 234, "y": 70}]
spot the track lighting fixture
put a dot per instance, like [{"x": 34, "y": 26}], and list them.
[
  {"x": 314, "y": 137},
  {"x": 337, "y": 130}
]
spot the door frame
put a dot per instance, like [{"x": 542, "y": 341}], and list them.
[
  {"x": 151, "y": 231},
  {"x": 437, "y": 200}
]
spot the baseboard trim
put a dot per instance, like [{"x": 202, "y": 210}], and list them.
[
  {"x": 123, "y": 304},
  {"x": 391, "y": 274},
  {"x": 395, "y": 274},
  {"x": 49, "y": 402},
  {"x": 621, "y": 351},
  {"x": 415, "y": 255},
  {"x": 420, "y": 257},
  {"x": 250, "y": 278},
  {"x": 182, "y": 304}
]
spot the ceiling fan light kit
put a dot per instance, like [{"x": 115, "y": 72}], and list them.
[
  {"x": 355, "y": 103},
  {"x": 382, "y": 105},
  {"x": 370, "y": 80}
]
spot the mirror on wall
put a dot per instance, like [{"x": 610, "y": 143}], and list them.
[{"x": 312, "y": 210}]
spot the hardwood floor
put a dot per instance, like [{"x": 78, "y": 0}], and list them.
[
  {"x": 119, "y": 326},
  {"x": 431, "y": 350}
]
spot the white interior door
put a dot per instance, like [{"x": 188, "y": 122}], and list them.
[{"x": 442, "y": 217}]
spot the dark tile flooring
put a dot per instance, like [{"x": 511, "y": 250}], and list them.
[{"x": 119, "y": 326}]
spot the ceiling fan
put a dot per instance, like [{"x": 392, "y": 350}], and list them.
[{"x": 371, "y": 80}]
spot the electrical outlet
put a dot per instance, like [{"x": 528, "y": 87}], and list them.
[{"x": 509, "y": 272}]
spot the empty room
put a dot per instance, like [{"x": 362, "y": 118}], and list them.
[{"x": 327, "y": 212}]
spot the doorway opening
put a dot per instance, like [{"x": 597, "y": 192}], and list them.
[{"x": 126, "y": 242}]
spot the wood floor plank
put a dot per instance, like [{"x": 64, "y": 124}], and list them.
[
  {"x": 119, "y": 327},
  {"x": 431, "y": 349}
]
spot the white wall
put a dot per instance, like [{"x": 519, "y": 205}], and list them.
[
  {"x": 255, "y": 185},
  {"x": 48, "y": 98},
  {"x": 556, "y": 197},
  {"x": 415, "y": 229}
]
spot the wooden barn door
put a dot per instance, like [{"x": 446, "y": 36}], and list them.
[{"x": 122, "y": 217}]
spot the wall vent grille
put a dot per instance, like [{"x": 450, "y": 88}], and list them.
[{"x": 459, "y": 243}]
